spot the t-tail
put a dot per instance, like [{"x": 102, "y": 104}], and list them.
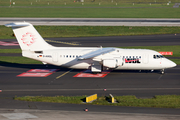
[{"x": 29, "y": 39}]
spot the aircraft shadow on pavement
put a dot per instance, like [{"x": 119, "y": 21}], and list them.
[
  {"x": 32, "y": 66},
  {"x": 42, "y": 66},
  {"x": 136, "y": 71}
]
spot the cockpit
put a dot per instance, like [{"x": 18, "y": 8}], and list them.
[{"x": 158, "y": 56}]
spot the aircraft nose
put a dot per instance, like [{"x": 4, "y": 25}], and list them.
[{"x": 170, "y": 64}]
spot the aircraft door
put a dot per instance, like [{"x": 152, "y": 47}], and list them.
[{"x": 55, "y": 57}]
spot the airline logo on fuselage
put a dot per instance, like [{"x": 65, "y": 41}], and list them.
[{"x": 132, "y": 60}]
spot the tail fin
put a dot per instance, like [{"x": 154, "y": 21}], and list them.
[{"x": 28, "y": 37}]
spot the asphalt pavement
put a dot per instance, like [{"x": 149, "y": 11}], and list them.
[{"x": 144, "y": 84}]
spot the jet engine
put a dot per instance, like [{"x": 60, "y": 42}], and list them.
[
  {"x": 113, "y": 63},
  {"x": 110, "y": 63}
]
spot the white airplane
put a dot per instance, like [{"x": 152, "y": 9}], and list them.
[{"x": 96, "y": 59}]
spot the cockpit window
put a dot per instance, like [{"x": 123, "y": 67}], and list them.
[
  {"x": 154, "y": 56},
  {"x": 158, "y": 56}
]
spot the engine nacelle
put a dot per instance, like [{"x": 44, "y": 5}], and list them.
[
  {"x": 96, "y": 67},
  {"x": 110, "y": 63}
]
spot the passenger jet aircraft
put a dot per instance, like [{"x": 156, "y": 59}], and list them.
[{"x": 96, "y": 59}]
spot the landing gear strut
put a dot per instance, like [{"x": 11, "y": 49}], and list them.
[{"x": 162, "y": 71}]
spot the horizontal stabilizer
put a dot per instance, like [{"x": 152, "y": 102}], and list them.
[{"x": 97, "y": 53}]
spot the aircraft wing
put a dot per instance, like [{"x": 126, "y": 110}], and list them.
[
  {"x": 96, "y": 53},
  {"x": 21, "y": 24}
]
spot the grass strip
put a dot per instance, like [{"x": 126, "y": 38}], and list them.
[
  {"x": 56, "y": 99},
  {"x": 159, "y": 101},
  {"x": 89, "y": 3},
  {"x": 18, "y": 60},
  {"x": 91, "y": 11},
  {"x": 10, "y": 51},
  {"x": 90, "y": 31}
]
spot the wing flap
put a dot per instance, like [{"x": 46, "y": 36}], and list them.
[{"x": 96, "y": 53}]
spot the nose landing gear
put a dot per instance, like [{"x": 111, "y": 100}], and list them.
[{"x": 162, "y": 71}]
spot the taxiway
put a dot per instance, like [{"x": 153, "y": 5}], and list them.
[
  {"x": 95, "y": 21},
  {"x": 143, "y": 84}
]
